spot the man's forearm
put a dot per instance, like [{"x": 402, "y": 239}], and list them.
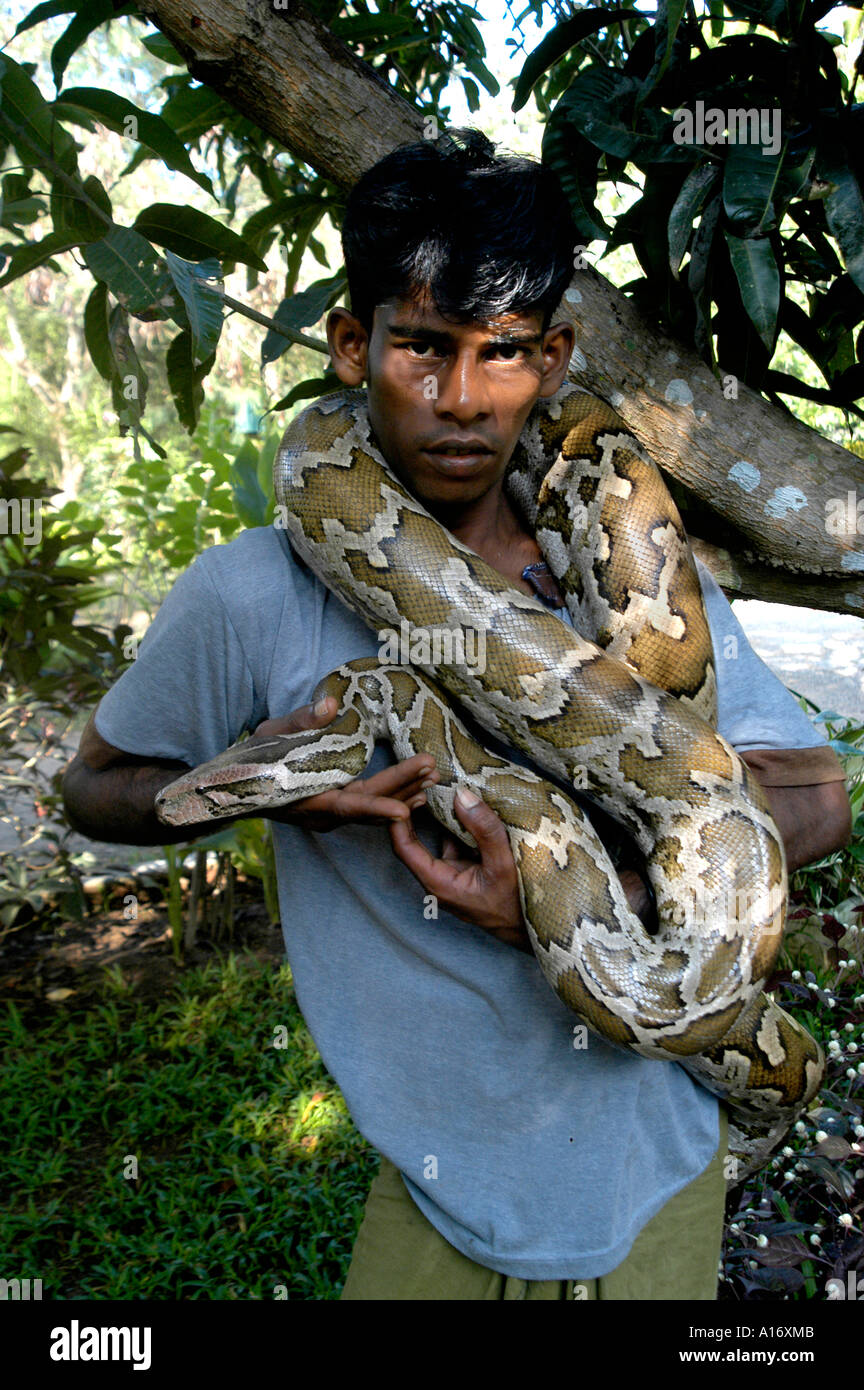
[{"x": 813, "y": 820}]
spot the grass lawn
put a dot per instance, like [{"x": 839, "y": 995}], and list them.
[{"x": 169, "y": 1150}]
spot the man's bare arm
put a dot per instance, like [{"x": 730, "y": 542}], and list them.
[{"x": 813, "y": 820}]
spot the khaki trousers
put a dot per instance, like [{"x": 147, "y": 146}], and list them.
[{"x": 398, "y": 1255}]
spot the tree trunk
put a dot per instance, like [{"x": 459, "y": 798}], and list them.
[{"x": 772, "y": 502}]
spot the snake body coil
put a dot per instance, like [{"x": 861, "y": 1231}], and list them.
[{"x": 621, "y": 708}]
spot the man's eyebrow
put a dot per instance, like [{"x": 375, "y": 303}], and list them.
[
  {"x": 527, "y": 339},
  {"x": 433, "y": 335},
  {"x": 413, "y": 330}
]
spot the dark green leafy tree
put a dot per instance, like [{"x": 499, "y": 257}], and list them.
[{"x": 747, "y": 148}]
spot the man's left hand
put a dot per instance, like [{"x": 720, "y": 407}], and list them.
[{"x": 483, "y": 891}]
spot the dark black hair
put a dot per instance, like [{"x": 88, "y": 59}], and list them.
[{"x": 483, "y": 234}]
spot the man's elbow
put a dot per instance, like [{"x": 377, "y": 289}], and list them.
[
  {"x": 840, "y": 818},
  {"x": 75, "y": 801}
]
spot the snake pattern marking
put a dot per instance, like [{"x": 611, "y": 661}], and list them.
[{"x": 622, "y": 708}]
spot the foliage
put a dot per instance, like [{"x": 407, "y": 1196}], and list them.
[
  {"x": 169, "y": 265},
  {"x": 47, "y": 658},
  {"x": 797, "y": 1223},
  {"x": 251, "y": 1177},
  {"x": 49, "y": 575},
  {"x": 732, "y": 213}
]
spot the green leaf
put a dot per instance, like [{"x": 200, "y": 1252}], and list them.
[
  {"x": 96, "y": 331},
  {"x": 162, "y": 48},
  {"x": 299, "y": 311},
  {"x": 844, "y": 208},
  {"x": 695, "y": 190},
  {"x": 574, "y": 161},
  {"x": 600, "y": 104},
  {"x": 129, "y": 266},
  {"x": 359, "y": 28},
  {"x": 750, "y": 179},
  {"x": 251, "y": 503},
  {"x": 192, "y": 111},
  {"x": 558, "y": 42},
  {"x": 49, "y": 10},
  {"x": 128, "y": 120},
  {"x": 30, "y": 122},
  {"x": 34, "y": 253},
  {"x": 129, "y": 384},
  {"x": 89, "y": 17},
  {"x": 185, "y": 377},
  {"x": 281, "y": 213},
  {"x": 479, "y": 70},
  {"x": 758, "y": 279},
  {"x": 472, "y": 94},
  {"x": 308, "y": 390},
  {"x": 76, "y": 216},
  {"x": 193, "y": 235},
  {"x": 203, "y": 307},
  {"x": 669, "y": 16}
]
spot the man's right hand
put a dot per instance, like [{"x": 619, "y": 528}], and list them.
[{"x": 390, "y": 795}]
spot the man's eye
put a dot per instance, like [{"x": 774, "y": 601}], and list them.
[
  {"x": 509, "y": 352},
  {"x": 421, "y": 349}
]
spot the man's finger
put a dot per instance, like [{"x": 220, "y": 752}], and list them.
[
  {"x": 408, "y": 847},
  {"x": 488, "y": 830},
  {"x": 350, "y": 804},
  {"x": 316, "y": 716},
  {"x": 405, "y": 779}
]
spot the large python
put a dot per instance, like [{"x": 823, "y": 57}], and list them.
[{"x": 622, "y": 708}]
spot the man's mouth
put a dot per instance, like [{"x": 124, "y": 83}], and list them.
[
  {"x": 459, "y": 453},
  {"x": 455, "y": 447}
]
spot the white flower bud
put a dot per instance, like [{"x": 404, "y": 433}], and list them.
[
  {"x": 815, "y": 1240},
  {"x": 762, "y": 1241},
  {"x": 851, "y": 1073},
  {"x": 800, "y": 1127},
  {"x": 849, "y": 1027},
  {"x": 787, "y": 1177},
  {"x": 833, "y": 1047},
  {"x": 845, "y": 1219},
  {"x": 820, "y": 1136},
  {"x": 859, "y": 1131},
  {"x": 788, "y": 1151}
]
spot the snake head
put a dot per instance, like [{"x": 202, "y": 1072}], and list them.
[{"x": 248, "y": 777}]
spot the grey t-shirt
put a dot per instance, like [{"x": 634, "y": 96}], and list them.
[{"x": 532, "y": 1155}]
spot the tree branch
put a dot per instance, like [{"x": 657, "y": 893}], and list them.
[{"x": 770, "y": 475}]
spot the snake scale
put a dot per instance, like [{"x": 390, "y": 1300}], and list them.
[{"x": 621, "y": 708}]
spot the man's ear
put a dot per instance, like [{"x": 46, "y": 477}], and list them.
[
  {"x": 558, "y": 343},
  {"x": 349, "y": 345}
]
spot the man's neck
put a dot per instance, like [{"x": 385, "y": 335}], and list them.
[{"x": 493, "y": 530}]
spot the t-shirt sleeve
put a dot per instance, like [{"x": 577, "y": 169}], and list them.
[
  {"x": 190, "y": 692},
  {"x": 755, "y": 712}
]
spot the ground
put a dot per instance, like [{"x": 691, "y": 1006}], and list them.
[{"x": 35, "y": 965}]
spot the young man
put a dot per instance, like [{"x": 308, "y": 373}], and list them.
[{"x": 530, "y": 1168}]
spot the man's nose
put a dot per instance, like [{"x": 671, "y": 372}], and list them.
[{"x": 463, "y": 392}]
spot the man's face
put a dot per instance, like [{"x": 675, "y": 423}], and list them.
[{"x": 448, "y": 401}]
